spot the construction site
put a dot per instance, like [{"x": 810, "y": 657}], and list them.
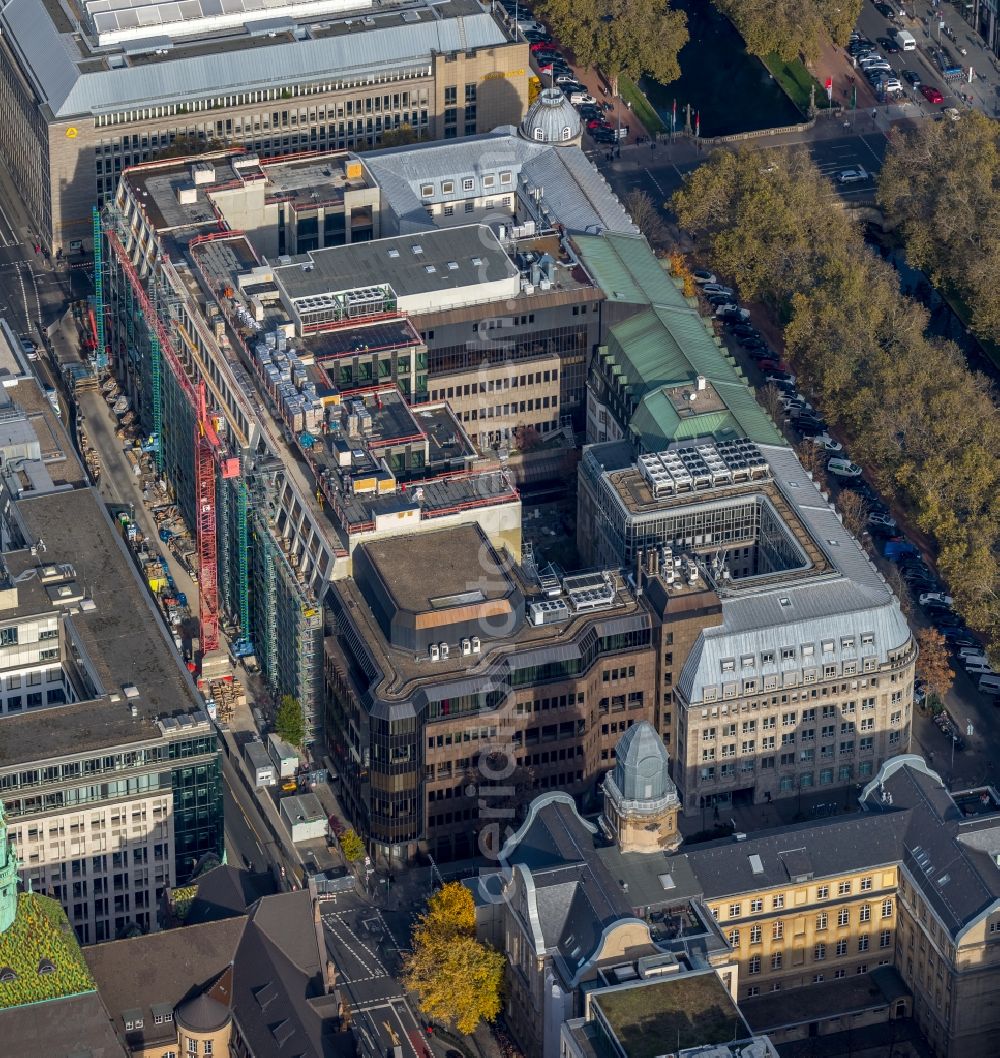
[{"x": 261, "y": 475}]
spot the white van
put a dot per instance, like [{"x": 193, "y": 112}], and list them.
[
  {"x": 989, "y": 684},
  {"x": 906, "y": 40},
  {"x": 978, "y": 667}
]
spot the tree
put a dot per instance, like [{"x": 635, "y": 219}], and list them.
[
  {"x": 933, "y": 662},
  {"x": 457, "y": 979},
  {"x": 769, "y": 398},
  {"x": 679, "y": 267},
  {"x": 646, "y": 216},
  {"x": 399, "y": 137},
  {"x": 630, "y": 37},
  {"x": 786, "y": 27},
  {"x": 854, "y": 511},
  {"x": 289, "y": 722},
  {"x": 924, "y": 424},
  {"x": 941, "y": 186},
  {"x": 352, "y": 846}
]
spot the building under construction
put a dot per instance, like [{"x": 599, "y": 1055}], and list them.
[{"x": 278, "y": 468}]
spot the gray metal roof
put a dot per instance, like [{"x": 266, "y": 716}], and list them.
[
  {"x": 572, "y": 191},
  {"x": 642, "y": 765},
  {"x": 52, "y": 60},
  {"x": 835, "y": 607}
]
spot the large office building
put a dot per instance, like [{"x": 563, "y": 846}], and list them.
[
  {"x": 110, "y": 773},
  {"x": 452, "y": 700},
  {"x": 786, "y": 662},
  {"x": 339, "y": 318},
  {"x": 89, "y": 89}
]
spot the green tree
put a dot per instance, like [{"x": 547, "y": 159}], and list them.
[
  {"x": 289, "y": 722},
  {"x": 941, "y": 186},
  {"x": 352, "y": 846},
  {"x": 933, "y": 663},
  {"x": 457, "y": 979},
  {"x": 923, "y": 424},
  {"x": 630, "y": 37},
  {"x": 787, "y": 27}
]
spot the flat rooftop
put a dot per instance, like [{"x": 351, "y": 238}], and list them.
[
  {"x": 466, "y": 568},
  {"x": 689, "y": 1010},
  {"x": 403, "y": 672},
  {"x": 123, "y": 637},
  {"x": 59, "y": 464},
  {"x": 433, "y": 261}
]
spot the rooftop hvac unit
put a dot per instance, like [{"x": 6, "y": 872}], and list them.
[
  {"x": 477, "y": 646},
  {"x": 435, "y": 652},
  {"x": 444, "y": 651},
  {"x": 466, "y": 647}
]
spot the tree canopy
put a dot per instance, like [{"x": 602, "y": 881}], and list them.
[
  {"x": 934, "y": 664},
  {"x": 941, "y": 186},
  {"x": 791, "y": 28},
  {"x": 630, "y": 37},
  {"x": 352, "y": 846},
  {"x": 289, "y": 722},
  {"x": 924, "y": 424},
  {"x": 457, "y": 979}
]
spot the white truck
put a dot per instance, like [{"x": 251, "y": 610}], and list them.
[{"x": 906, "y": 40}]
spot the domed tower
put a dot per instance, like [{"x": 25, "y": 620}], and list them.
[
  {"x": 8, "y": 877},
  {"x": 552, "y": 120},
  {"x": 640, "y": 799}
]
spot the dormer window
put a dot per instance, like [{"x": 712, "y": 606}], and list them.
[
  {"x": 7, "y": 976},
  {"x": 539, "y": 135},
  {"x": 567, "y": 132}
]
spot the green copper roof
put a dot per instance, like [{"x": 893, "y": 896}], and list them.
[{"x": 668, "y": 345}]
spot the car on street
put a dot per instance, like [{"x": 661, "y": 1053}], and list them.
[
  {"x": 717, "y": 288},
  {"x": 886, "y": 11},
  {"x": 29, "y": 348},
  {"x": 888, "y": 45},
  {"x": 889, "y": 85},
  {"x": 827, "y": 443},
  {"x": 971, "y": 652},
  {"x": 911, "y": 78},
  {"x": 936, "y": 596},
  {"x": 843, "y": 468},
  {"x": 754, "y": 345},
  {"x": 732, "y": 312},
  {"x": 719, "y": 299},
  {"x": 702, "y": 276},
  {"x": 576, "y": 98},
  {"x": 978, "y": 667},
  {"x": 777, "y": 374},
  {"x": 852, "y": 176},
  {"x": 958, "y": 637},
  {"x": 931, "y": 94},
  {"x": 952, "y": 114},
  {"x": 741, "y": 330},
  {"x": 883, "y": 521}
]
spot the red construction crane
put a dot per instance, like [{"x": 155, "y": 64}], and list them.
[{"x": 208, "y": 452}]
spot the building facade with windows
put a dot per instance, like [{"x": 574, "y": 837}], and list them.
[
  {"x": 110, "y": 774},
  {"x": 472, "y": 692},
  {"x": 83, "y": 105},
  {"x": 792, "y": 665}
]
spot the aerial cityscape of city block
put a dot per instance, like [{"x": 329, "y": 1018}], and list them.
[{"x": 499, "y": 529}]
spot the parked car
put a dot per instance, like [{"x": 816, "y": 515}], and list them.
[
  {"x": 719, "y": 299},
  {"x": 576, "y": 98},
  {"x": 958, "y": 637},
  {"x": 743, "y": 330},
  {"x": 890, "y": 85},
  {"x": 843, "y": 468},
  {"x": 971, "y": 652},
  {"x": 702, "y": 276},
  {"x": 883, "y": 521},
  {"x": 912, "y": 78},
  {"x": 827, "y": 443},
  {"x": 978, "y": 667},
  {"x": 732, "y": 312},
  {"x": 717, "y": 288},
  {"x": 931, "y": 94},
  {"x": 776, "y": 374},
  {"x": 936, "y": 596}
]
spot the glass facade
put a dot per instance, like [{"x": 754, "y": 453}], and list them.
[{"x": 198, "y": 818}]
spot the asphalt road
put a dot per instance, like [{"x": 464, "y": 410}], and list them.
[{"x": 983, "y": 89}]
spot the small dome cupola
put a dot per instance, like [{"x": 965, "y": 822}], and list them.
[{"x": 552, "y": 120}]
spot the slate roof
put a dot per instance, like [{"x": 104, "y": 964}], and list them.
[
  {"x": 575, "y": 896},
  {"x": 226, "y": 891},
  {"x": 265, "y": 963},
  {"x": 73, "y": 1028},
  {"x": 950, "y": 857},
  {"x": 832, "y": 846}
]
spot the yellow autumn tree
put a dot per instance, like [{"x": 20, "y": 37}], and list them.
[{"x": 457, "y": 979}]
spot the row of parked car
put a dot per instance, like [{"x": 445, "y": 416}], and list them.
[
  {"x": 806, "y": 421},
  {"x": 551, "y": 63}
]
